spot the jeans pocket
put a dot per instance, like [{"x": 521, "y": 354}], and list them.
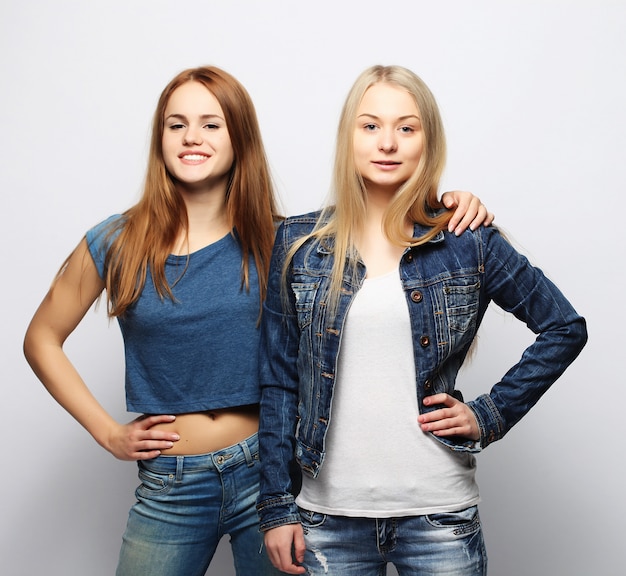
[
  {"x": 152, "y": 483},
  {"x": 310, "y": 519},
  {"x": 461, "y": 522}
]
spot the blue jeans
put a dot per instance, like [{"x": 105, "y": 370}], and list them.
[
  {"x": 447, "y": 544},
  {"x": 185, "y": 504}
]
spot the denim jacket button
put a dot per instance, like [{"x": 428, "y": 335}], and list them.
[
  {"x": 409, "y": 257},
  {"x": 424, "y": 341},
  {"x": 416, "y": 296},
  {"x": 428, "y": 385}
]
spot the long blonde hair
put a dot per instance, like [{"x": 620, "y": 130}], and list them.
[
  {"x": 149, "y": 228},
  {"x": 342, "y": 219}
]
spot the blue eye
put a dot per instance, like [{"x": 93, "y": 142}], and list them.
[
  {"x": 370, "y": 127},
  {"x": 406, "y": 129}
]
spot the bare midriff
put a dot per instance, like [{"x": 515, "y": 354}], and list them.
[{"x": 203, "y": 432}]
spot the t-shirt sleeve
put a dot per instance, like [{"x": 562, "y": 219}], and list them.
[{"x": 99, "y": 239}]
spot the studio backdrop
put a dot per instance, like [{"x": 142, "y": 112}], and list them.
[{"x": 532, "y": 94}]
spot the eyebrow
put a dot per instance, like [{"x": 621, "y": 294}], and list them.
[
  {"x": 202, "y": 117},
  {"x": 401, "y": 118}
]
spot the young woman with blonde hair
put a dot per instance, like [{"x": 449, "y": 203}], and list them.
[
  {"x": 372, "y": 306},
  {"x": 184, "y": 272}
]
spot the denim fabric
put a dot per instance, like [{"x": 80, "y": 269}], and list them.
[
  {"x": 185, "y": 504},
  {"x": 448, "y": 282},
  {"x": 449, "y": 544}
]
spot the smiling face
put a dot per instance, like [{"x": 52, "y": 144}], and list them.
[
  {"x": 196, "y": 145},
  {"x": 388, "y": 137}
]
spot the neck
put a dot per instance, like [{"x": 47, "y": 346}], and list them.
[
  {"x": 378, "y": 198},
  {"x": 377, "y": 202},
  {"x": 377, "y": 252},
  {"x": 207, "y": 220}
]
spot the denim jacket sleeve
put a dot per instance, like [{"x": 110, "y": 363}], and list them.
[
  {"x": 522, "y": 289},
  {"x": 279, "y": 396}
]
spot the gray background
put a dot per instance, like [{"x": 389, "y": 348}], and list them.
[{"x": 532, "y": 94}]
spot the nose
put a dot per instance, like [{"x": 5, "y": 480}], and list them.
[
  {"x": 192, "y": 136},
  {"x": 387, "y": 141}
]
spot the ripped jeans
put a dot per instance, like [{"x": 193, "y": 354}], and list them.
[{"x": 444, "y": 544}]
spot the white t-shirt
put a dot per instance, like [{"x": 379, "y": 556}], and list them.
[{"x": 378, "y": 461}]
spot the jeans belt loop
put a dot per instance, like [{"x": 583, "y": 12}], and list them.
[
  {"x": 247, "y": 453},
  {"x": 180, "y": 460}
]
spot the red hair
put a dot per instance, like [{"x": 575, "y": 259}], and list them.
[{"x": 148, "y": 229}]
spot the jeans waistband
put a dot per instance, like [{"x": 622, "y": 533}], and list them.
[{"x": 244, "y": 452}]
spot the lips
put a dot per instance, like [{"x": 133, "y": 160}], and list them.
[
  {"x": 386, "y": 165},
  {"x": 194, "y": 157}
]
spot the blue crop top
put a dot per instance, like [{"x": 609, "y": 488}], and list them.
[{"x": 198, "y": 352}]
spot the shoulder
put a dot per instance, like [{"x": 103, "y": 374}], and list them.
[
  {"x": 308, "y": 219},
  {"x": 489, "y": 246},
  {"x": 469, "y": 249},
  {"x": 110, "y": 224},
  {"x": 101, "y": 236},
  {"x": 483, "y": 235},
  {"x": 492, "y": 238},
  {"x": 293, "y": 227}
]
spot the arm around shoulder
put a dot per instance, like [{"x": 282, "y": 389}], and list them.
[{"x": 469, "y": 211}]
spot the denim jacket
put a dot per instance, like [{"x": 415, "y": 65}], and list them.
[{"x": 448, "y": 283}]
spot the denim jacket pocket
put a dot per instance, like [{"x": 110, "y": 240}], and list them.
[
  {"x": 461, "y": 301},
  {"x": 304, "y": 293}
]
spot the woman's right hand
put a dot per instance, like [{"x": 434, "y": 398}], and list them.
[
  {"x": 72, "y": 294},
  {"x": 469, "y": 211},
  {"x": 138, "y": 441},
  {"x": 285, "y": 548}
]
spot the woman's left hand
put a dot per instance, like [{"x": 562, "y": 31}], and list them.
[
  {"x": 455, "y": 419},
  {"x": 470, "y": 211}
]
